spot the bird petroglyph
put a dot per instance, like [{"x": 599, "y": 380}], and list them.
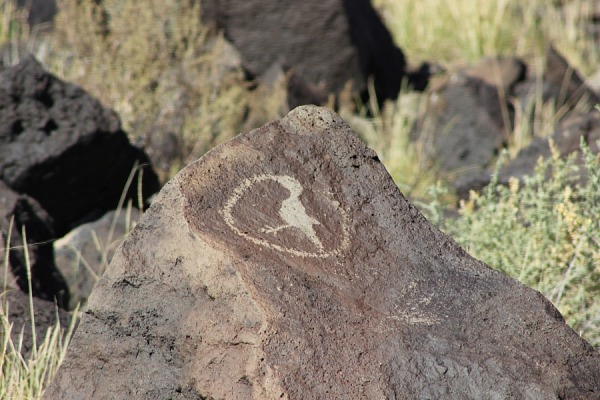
[
  {"x": 294, "y": 215},
  {"x": 292, "y": 211}
]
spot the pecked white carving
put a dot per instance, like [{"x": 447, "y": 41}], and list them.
[{"x": 295, "y": 216}]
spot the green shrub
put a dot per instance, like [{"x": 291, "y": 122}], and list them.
[{"x": 544, "y": 232}]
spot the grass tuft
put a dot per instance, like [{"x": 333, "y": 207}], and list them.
[{"x": 26, "y": 377}]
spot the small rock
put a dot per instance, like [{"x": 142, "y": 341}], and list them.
[
  {"x": 469, "y": 115},
  {"x": 567, "y": 139},
  {"x": 561, "y": 83}
]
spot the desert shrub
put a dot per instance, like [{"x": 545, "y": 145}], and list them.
[{"x": 543, "y": 232}]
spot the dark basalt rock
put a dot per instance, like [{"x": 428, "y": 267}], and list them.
[
  {"x": 62, "y": 147},
  {"x": 567, "y": 140},
  {"x": 286, "y": 264},
  {"x": 46, "y": 281},
  {"x": 327, "y": 43}
]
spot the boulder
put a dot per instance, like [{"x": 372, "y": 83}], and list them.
[
  {"x": 286, "y": 264},
  {"x": 46, "y": 281},
  {"x": 327, "y": 42},
  {"x": 60, "y": 146},
  {"x": 40, "y": 12},
  {"x": 561, "y": 84},
  {"x": 567, "y": 139},
  {"x": 469, "y": 115},
  {"x": 83, "y": 254}
]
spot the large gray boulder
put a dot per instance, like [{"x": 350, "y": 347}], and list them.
[
  {"x": 60, "y": 146},
  {"x": 286, "y": 264},
  {"x": 469, "y": 115}
]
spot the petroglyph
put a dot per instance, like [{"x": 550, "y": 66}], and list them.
[{"x": 294, "y": 215}]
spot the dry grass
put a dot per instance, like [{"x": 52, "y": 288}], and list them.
[
  {"x": 26, "y": 377},
  {"x": 163, "y": 74}
]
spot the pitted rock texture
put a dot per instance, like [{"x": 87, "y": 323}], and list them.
[
  {"x": 286, "y": 264},
  {"x": 62, "y": 147}
]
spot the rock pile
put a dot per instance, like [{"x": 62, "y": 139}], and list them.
[
  {"x": 62, "y": 147},
  {"x": 471, "y": 115},
  {"x": 286, "y": 264}
]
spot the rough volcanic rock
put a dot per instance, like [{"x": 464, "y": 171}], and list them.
[
  {"x": 561, "y": 84},
  {"x": 84, "y": 253},
  {"x": 286, "y": 264},
  {"x": 469, "y": 115},
  {"x": 46, "y": 281},
  {"x": 39, "y": 11},
  {"x": 62, "y": 147},
  {"x": 567, "y": 139},
  {"x": 327, "y": 42}
]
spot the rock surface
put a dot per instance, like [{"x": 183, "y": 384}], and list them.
[
  {"x": 46, "y": 281},
  {"x": 62, "y": 147},
  {"x": 327, "y": 42},
  {"x": 567, "y": 140},
  {"x": 39, "y": 11},
  {"x": 469, "y": 115},
  {"x": 285, "y": 264}
]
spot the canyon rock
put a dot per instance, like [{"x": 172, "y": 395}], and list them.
[{"x": 286, "y": 264}]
